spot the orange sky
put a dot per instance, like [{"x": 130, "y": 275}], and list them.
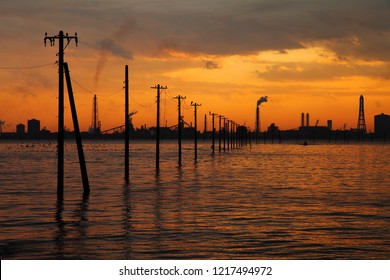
[{"x": 310, "y": 57}]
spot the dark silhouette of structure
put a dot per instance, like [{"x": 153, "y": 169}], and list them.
[
  {"x": 20, "y": 130},
  {"x": 330, "y": 125},
  {"x": 382, "y": 126},
  {"x": 179, "y": 125},
  {"x": 95, "y": 128},
  {"x": 303, "y": 123},
  {"x": 196, "y": 105},
  {"x": 258, "y": 128},
  {"x": 33, "y": 128},
  {"x": 361, "y": 127},
  {"x": 1, "y": 126},
  {"x": 213, "y": 132},
  {"x": 159, "y": 88},
  {"x": 83, "y": 167},
  {"x": 60, "y": 136},
  {"x": 127, "y": 127}
]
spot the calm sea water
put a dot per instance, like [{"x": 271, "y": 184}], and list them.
[{"x": 267, "y": 201}]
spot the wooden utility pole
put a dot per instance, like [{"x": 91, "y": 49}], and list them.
[
  {"x": 213, "y": 143},
  {"x": 220, "y": 133},
  {"x": 159, "y": 88},
  {"x": 195, "y": 105},
  {"x": 60, "y": 135},
  {"x": 179, "y": 124},
  {"x": 224, "y": 133},
  {"x": 127, "y": 129},
  {"x": 83, "y": 167}
]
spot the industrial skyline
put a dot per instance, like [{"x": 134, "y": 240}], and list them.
[
  {"x": 95, "y": 126},
  {"x": 34, "y": 130}
]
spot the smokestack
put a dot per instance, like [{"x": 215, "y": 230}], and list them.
[
  {"x": 307, "y": 119},
  {"x": 303, "y": 119},
  {"x": 261, "y": 100}
]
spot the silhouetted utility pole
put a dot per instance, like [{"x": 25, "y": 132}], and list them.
[
  {"x": 231, "y": 134},
  {"x": 127, "y": 130},
  {"x": 224, "y": 133},
  {"x": 60, "y": 136},
  {"x": 205, "y": 127},
  {"x": 158, "y": 87},
  {"x": 83, "y": 167},
  {"x": 179, "y": 124},
  {"x": 195, "y": 105},
  {"x": 228, "y": 133},
  {"x": 237, "y": 142},
  {"x": 257, "y": 123},
  {"x": 213, "y": 145},
  {"x": 220, "y": 133}
]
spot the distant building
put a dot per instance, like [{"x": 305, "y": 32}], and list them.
[
  {"x": 322, "y": 132},
  {"x": 273, "y": 129},
  {"x": 382, "y": 126},
  {"x": 20, "y": 129},
  {"x": 330, "y": 125},
  {"x": 33, "y": 127}
]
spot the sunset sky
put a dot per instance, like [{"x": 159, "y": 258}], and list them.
[{"x": 309, "y": 56}]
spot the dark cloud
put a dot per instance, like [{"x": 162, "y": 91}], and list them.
[
  {"x": 210, "y": 65},
  {"x": 321, "y": 72},
  {"x": 351, "y": 28},
  {"x": 248, "y": 26}
]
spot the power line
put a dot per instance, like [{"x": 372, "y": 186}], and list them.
[
  {"x": 28, "y": 67},
  {"x": 92, "y": 92},
  {"x": 139, "y": 104}
]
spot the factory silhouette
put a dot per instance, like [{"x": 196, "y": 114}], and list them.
[{"x": 306, "y": 131}]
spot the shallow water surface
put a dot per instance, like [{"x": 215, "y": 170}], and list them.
[{"x": 262, "y": 201}]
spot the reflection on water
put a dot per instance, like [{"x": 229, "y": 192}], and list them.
[
  {"x": 259, "y": 202},
  {"x": 79, "y": 226}
]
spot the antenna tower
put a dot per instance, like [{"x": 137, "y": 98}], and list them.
[
  {"x": 95, "y": 125},
  {"x": 361, "y": 121}
]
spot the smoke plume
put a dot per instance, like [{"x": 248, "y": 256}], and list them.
[
  {"x": 110, "y": 46},
  {"x": 262, "y": 99}
]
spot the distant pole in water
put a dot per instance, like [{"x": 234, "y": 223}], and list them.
[
  {"x": 60, "y": 134},
  {"x": 83, "y": 167},
  {"x": 213, "y": 143},
  {"x": 220, "y": 133},
  {"x": 257, "y": 123},
  {"x": 228, "y": 133},
  {"x": 231, "y": 134},
  {"x": 158, "y": 87},
  {"x": 195, "y": 105},
  {"x": 205, "y": 126},
  {"x": 179, "y": 124},
  {"x": 127, "y": 130},
  {"x": 224, "y": 134}
]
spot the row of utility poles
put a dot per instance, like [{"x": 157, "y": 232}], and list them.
[
  {"x": 225, "y": 131},
  {"x": 229, "y": 129},
  {"x": 229, "y": 126}
]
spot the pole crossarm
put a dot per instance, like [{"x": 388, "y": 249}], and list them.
[{"x": 52, "y": 39}]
